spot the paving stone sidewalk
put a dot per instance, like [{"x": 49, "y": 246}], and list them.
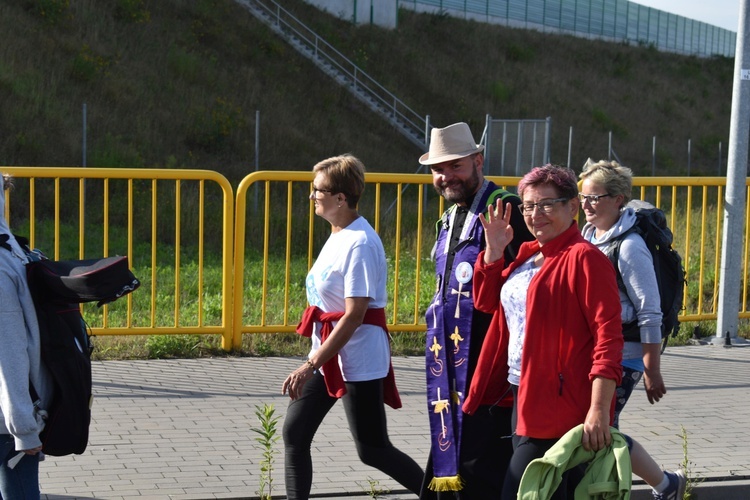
[{"x": 180, "y": 429}]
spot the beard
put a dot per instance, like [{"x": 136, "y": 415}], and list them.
[{"x": 459, "y": 191}]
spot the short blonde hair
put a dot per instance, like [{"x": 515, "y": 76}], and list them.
[
  {"x": 346, "y": 175},
  {"x": 616, "y": 179}
]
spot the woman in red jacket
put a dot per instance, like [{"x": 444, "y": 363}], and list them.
[
  {"x": 556, "y": 334},
  {"x": 555, "y": 340}
]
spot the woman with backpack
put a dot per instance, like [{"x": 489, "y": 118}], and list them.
[
  {"x": 20, "y": 365},
  {"x": 604, "y": 195}
]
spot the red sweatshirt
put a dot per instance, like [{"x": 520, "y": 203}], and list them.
[{"x": 573, "y": 334}]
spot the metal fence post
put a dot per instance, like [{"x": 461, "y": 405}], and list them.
[
  {"x": 519, "y": 148},
  {"x": 257, "y": 156},
  {"x": 505, "y": 142},
  {"x": 487, "y": 145},
  {"x": 570, "y": 144},
  {"x": 427, "y": 129},
  {"x": 85, "y": 147},
  {"x": 735, "y": 201},
  {"x": 84, "y": 135},
  {"x": 548, "y": 139}
]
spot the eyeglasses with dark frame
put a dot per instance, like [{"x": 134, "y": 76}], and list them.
[
  {"x": 593, "y": 199},
  {"x": 545, "y": 206},
  {"x": 315, "y": 191}
]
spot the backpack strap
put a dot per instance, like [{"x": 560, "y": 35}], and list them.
[
  {"x": 630, "y": 331},
  {"x": 444, "y": 220},
  {"x": 4, "y": 242},
  {"x": 614, "y": 256},
  {"x": 497, "y": 193}
]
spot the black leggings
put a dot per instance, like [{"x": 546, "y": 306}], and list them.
[
  {"x": 365, "y": 413},
  {"x": 526, "y": 449}
]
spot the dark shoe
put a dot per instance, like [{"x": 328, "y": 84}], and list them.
[{"x": 676, "y": 488}]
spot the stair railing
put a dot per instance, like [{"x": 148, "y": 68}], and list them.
[{"x": 362, "y": 83}]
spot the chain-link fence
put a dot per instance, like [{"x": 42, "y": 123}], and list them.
[{"x": 513, "y": 147}]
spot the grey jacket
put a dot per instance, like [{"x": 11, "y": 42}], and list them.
[
  {"x": 20, "y": 361},
  {"x": 636, "y": 265}
]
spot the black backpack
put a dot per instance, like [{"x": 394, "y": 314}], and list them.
[
  {"x": 57, "y": 288},
  {"x": 651, "y": 224}
]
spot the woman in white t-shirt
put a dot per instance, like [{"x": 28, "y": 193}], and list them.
[{"x": 350, "y": 356}]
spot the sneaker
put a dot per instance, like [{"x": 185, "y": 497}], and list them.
[{"x": 676, "y": 488}]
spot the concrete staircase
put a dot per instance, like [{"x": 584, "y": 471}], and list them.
[{"x": 341, "y": 69}]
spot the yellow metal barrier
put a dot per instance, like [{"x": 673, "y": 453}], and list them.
[
  {"x": 694, "y": 208},
  {"x": 286, "y": 237},
  {"x": 164, "y": 220},
  {"x": 158, "y": 218}
]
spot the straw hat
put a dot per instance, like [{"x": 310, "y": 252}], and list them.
[{"x": 450, "y": 143}]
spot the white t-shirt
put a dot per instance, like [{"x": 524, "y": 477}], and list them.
[{"x": 352, "y": 264}]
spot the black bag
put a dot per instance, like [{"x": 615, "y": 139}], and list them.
[
  {"x": 102, "y": 280},
  {"x": 651, "y": 225},
  {"x": 66, "y": 352},
  {"x": 57, "y": 287}
]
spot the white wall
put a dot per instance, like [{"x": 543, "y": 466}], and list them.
[{"x": 379, "y": 12}]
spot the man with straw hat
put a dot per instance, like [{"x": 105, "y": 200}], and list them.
[{"x": 469, "y": 453}]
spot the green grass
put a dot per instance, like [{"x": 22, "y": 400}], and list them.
[
  {"x": 265, "y": 344},
  {"x": 158, "y": 302},
  {"x": 277, "y": 344}
]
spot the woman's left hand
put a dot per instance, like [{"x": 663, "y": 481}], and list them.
[
  {"x": 654, "y": 385},
  {"x": 296, "y": 380}
]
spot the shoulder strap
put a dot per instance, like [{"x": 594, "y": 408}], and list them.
[
  {"x": 443, "y": 220},
  {"x": 493, "y": 197},
  {"x": 614, "y": 256},
  {"x": 4, "y": 242},
  {"x": 32, "y": 255}
]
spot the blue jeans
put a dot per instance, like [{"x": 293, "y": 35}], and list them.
[{"x": 21, "y": 482}]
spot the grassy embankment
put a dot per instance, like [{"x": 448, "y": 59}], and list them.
[{"x": 176, "y": 84}]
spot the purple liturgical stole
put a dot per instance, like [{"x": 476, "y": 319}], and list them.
[{"x": 449, "y": 319}]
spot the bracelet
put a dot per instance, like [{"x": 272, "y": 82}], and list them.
[{"x": 310, "y": 364}]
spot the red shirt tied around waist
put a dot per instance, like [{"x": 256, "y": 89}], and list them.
[{"x": 333, "y": 376}]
